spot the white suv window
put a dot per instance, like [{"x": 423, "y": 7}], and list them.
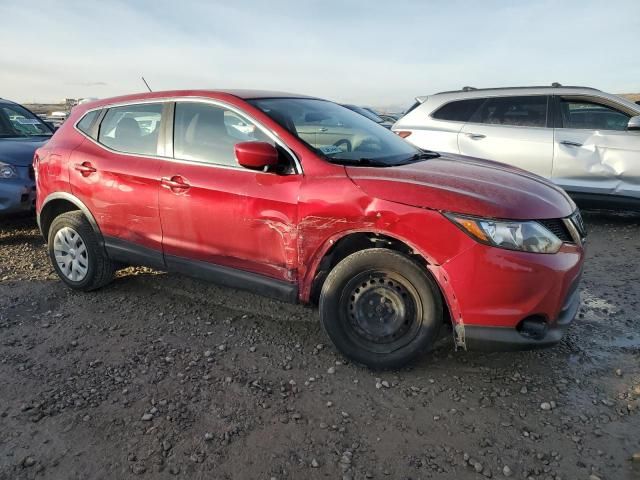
[
  {"x": 589, "y": 115},
  {"x": 458, "y": 111},
  {"x": 523, "y": 111}
]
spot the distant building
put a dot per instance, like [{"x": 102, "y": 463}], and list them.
[
  {"x": 86, "y": 100},
  {"x": 71, "y": 102}
]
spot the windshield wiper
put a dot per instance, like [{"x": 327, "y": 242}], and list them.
[
  {"x": 422, "y": 155},
  {"x": 360, "y": 162}
]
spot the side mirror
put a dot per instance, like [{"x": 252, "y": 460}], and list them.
[
  {"x": 634, "y": 124},
  {"x": 256, "y": 155}
]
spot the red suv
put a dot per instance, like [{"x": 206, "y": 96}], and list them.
[{"x": 301, "y": 199}]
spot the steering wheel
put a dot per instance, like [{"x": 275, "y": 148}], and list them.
[{"x": 344, "y": 142}]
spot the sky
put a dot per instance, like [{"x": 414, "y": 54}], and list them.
[{"x": 380, "y": 53}]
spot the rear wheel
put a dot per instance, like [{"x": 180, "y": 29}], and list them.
[
  {"x": 380, "y": 308},
  {"x": 76, "y": 254}
]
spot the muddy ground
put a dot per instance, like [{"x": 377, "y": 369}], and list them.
[{"x": 161, "y": 376}]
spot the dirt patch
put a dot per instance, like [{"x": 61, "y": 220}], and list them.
[{"x": 161, "y": 376}]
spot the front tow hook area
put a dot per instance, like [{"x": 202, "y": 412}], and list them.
[{"x": 534, "y": 327}]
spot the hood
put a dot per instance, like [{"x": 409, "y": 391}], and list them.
[
  {"x": 19, "y": 151},
  {"x": 466, "y": 185}
]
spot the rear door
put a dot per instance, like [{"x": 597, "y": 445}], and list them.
[
  {"x": 594, "y": 152},
  {"x": 513, "y": 130},
  {"x": 116, "y": 174}
]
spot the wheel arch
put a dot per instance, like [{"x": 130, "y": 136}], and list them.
[
  {"x": 59, "y": 203},
  {"x": 346, "y": 243}
]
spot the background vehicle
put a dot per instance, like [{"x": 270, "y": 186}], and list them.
[
  {"x": 390, "y": 118},
  {"x": 21, "y": 133},
  {"x": 584, "y": 140},
  {"x": 370, "y": 114},
  {"x": 387, "y": 117},
  {"x": 381, "y": 235}
]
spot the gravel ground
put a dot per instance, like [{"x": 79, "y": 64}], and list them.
[{"x": 161, "y": 376}]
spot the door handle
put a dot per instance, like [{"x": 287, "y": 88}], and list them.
[
  {"x": 323, "y": 129},
  {"x": 174, "y": 183},
  {"x": 475, "y": 136},
  {"x": 569, "y": 143},
  {"x": 85, "y": 168}
]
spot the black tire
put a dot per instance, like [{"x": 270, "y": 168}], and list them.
[
  {"x": 99, "y": 269},
  {"x": 380, "y": 308}
]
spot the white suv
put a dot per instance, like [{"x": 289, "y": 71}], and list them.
[{"x": 584, "y": 140}]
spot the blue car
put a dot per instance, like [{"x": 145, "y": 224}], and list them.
[{"x": 21, "y": 133}]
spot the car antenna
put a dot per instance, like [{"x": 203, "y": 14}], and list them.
[{"x": 145, "y": 82}]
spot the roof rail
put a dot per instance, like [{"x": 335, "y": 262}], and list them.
[{"x": 553, "y": 85}]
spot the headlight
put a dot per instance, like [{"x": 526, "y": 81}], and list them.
[
  {"x": 527, "y": 236},
  {"x": 7, "y": 171}
]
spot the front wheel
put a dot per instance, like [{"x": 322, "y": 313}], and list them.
[{"x": 380, "y": 308}]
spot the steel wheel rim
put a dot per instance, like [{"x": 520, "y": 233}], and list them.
[
  {"x": 71, "y": 254},
  {"x": 381, "y": 311}
]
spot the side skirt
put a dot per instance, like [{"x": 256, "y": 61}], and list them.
[
  {"x": 234, "y": 278},
  {"x": 133, "y": 254},
  {"x": 599, "y": 200}
]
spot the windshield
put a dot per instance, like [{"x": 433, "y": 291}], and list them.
[
  {"x": 16, "y": 121},
  {"x": 339, "y": 134}
]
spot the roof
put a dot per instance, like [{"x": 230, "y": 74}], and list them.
[
  {"x": 251, "y": 94},
  {"x": 554, "y": 86},
  {"x": 203, "y": 93},
  {"x": 443, "y": 97}
]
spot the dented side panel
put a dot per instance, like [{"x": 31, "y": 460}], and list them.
[
  {"x": 325, "y": 219},
  {"x": 601, "y": 162},
  {"x": 122, "y": 194},
  {"x": 232, "y": 217}
]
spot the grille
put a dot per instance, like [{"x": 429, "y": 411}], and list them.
[
  {"x": 576, "y": 218},
  {"x": 558, "y": 228}
]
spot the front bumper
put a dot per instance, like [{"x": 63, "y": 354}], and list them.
[
  {"x": 512, "y": 339},
  {"x": 508, "y": 300},
  {"x": 18, "y": 194}
]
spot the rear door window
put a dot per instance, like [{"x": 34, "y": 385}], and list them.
[
  {"x": 458, "y": 111},
  {"x": 522, "y": 111},
  {"x": 132, "y": 128},
  {"x": 590, "y": 115}
]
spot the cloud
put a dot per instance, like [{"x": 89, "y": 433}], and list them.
[
  {"x": 89, "y": 84},
  {"x": 357, "y": 51}
]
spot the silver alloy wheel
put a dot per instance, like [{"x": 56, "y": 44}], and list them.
[{"x": 71, "y": 254}]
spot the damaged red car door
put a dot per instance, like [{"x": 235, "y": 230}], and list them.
[{"x": 215, "y": 211}]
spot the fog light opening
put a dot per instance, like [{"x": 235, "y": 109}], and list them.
[{"x": 534, "y": 326}]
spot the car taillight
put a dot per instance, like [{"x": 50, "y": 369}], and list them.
[{"x": 403, "y": 133}]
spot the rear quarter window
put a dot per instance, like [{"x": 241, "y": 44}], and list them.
[
  {"x": 458, "y": 111},
  {"x": 85, "y": 125}
]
